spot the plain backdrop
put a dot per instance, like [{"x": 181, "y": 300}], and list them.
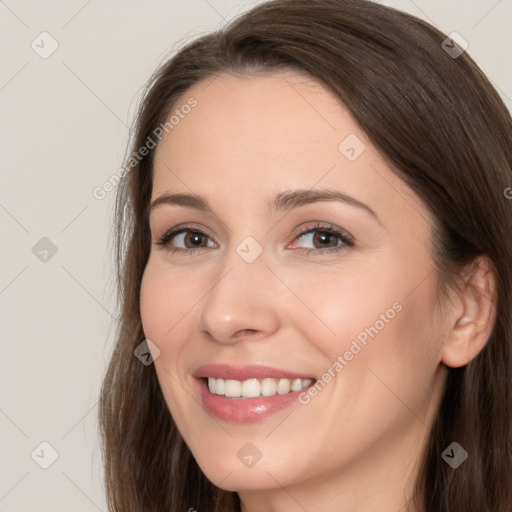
[{"x": 64, "y": 127}]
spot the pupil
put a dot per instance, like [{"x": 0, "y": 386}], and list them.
[
  {"x": 196, "y": 238},
  {"x": 324, "y": 237}
]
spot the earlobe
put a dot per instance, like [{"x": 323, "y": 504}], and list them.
[{"x": 473, "y": 325}]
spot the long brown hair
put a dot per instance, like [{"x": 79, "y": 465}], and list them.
[{"x": 443, "y": 129}]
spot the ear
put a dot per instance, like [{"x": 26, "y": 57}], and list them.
[{"x": 474, "y": 315}]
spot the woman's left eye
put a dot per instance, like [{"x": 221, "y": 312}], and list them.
[{"x": 327, "y": 239}]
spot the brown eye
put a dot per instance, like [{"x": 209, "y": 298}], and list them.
[
  {"x": 325, "y": 239},
  {"x": 188, "y": 239},
  {"x": 194, "y": 239}
]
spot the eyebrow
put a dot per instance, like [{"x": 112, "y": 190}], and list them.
[{"x": 284, "y": 201}]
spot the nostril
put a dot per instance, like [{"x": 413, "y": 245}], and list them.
[{"x": 249, "y": 333}]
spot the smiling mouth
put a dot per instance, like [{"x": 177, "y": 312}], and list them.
[{"x": 254, "y": 388}]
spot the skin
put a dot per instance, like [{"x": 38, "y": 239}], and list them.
[{"x": 356, "y": 445}]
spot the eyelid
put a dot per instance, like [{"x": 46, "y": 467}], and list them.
[{"x": 322, "y": 226}]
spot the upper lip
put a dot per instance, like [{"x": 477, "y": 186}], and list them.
[{"x": 245, "y": 372}]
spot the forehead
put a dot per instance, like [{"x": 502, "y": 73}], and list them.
[
  {"x": 267, "y": 133},
  {"x": 238, "y": 117}
]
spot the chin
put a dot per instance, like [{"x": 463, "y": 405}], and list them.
[{"x": 231, "y": 474}]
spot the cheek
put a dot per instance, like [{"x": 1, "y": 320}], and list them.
[
  {"x": 381, "y": 317},
  {"x": 351, "y": 304},
  {"x": 396, "y": 369},
  {"x": 382, "y": 362},
  {"x": 164, "y": 303}
]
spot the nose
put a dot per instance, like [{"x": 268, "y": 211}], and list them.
[{"x": 240, "y": 303}]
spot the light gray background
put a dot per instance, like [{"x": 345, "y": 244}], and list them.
[{"x": 64, "y": 128}]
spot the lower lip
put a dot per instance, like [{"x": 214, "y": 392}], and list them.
[{"x": 244, "y": 410}]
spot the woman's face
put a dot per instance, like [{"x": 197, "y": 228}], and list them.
[{"x": 302, "y": 266}]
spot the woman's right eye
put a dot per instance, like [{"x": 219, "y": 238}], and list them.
[{"x": 189, "y": 240}]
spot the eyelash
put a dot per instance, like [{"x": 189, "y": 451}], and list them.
[{"x": 347, "y": 239}]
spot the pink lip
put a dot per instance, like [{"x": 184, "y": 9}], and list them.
[
  {"x": 244, "y": 372},
  {"x": 244, "y": 410}
]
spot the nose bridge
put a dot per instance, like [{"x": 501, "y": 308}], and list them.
[{"x": 239, "y": 298}]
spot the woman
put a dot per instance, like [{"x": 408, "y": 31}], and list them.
[{"x": 314, "y": 243}]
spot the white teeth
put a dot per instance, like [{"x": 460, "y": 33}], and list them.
[
  {"x": 233, "y": 388},
  {"x": 220, "y": 386},
  {"x": 296, "y": 385},
  {"x": 252, "y": 388},
  {"x": 306, "y": 383},
  {"x": 283, "y": 386},
  {"x": 268, "y": 387}
]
